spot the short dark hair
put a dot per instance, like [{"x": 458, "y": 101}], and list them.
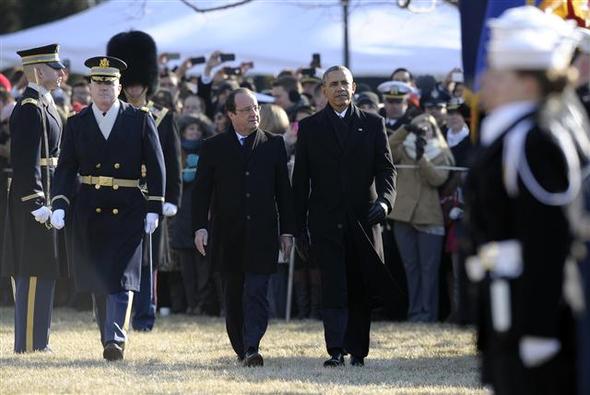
[
  {"x": 230, "y": 102},
  {"x": 288, "y": 83},
  {"x": 403, "y": 70},
  {"x": 335, "y": 68}
]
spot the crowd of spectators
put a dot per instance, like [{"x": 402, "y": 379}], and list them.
[{"x": 427, "y": 122}]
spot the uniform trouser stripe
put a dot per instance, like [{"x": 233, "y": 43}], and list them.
[
  {"x": 31, "y": 312},
  {"x": 128, "y": 312},
  {"x": 113, "y": 313},
  {"x": 13, "y": 289}
]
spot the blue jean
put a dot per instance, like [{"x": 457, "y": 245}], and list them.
[{"x": 421, "y": 254}]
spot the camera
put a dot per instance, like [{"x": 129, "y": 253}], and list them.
[
  {"x": 232, "y": 70},
  {"x": 172, "y": 55},
  {"x": 316, "y": 61},
  {"x": 197, "y": 60},
  {"x": 227, "y": 57}
]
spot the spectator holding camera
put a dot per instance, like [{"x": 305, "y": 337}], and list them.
[{"x": 417, "y": 215}]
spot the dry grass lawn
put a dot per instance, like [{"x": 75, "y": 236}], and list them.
[{"x": 192, "y": 355}]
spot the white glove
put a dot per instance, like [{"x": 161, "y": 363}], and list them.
[
  {"x": 455, "y": 213},
  {"x": 57, "y": 219},
  {"x": 42, "y": 214},
  {"x": 151, "y": 222},
  {"x": 535, "y": 351},
  {"x": 169, "y": 210}
]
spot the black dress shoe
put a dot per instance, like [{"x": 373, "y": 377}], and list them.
[
  {"x": 112, "y": 352},
  {"x": 357, "y": 361},
  {"x": 252, "y": 359},
  {"x": 334, "y": 361}
]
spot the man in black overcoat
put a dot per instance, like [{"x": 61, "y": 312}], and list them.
[
  {"x": 30, "y": 247},
  {"x": 139, "y": 81},
  {"x": 243, "y": 200},
  {"x": 344, "y": 186},
  {"x": 106, "y": 144}
]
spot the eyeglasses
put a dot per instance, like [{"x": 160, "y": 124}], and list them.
[{"x": 248, "y": 109}]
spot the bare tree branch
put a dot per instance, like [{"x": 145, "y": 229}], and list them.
[{"x": 223, "y": 7}]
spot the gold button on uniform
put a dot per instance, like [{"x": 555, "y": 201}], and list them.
[
  {"x": 115, "y": 187},
  {"x": 97, "y": 186},
  {"x": 115, "y": 211},
  {"x": 98, "y": 165},
  {"x": 117, "y": 165},
  {"x": 98, "y": 210}
]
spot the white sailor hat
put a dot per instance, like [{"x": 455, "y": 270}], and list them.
[
  {"x": 394, "y": 89},
  {"x": 526, "y": 38}
]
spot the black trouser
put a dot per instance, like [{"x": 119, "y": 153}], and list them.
[
  {"x": 196, "y": 277},
  {"x": 246, "y": 309},
  {"x": 347, "y": 315}
]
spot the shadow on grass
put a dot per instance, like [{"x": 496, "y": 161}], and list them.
[{"x": 398, "y": 372}]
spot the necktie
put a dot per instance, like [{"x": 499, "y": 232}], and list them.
[{"x": 242, "y": 141}]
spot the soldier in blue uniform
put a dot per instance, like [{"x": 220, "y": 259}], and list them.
[
  {"x": 139, "y": 82},
  {"x": 30, "y": 252},
  {"x": 107, "y": 143}
]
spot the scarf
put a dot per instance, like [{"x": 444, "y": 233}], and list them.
[{"x": 455, "y": 138}]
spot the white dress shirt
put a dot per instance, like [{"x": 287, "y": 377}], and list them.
[
  {"x": 341, "y": 114},
  {"x": 106, "y": 121}
]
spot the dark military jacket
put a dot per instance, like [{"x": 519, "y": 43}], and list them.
[
  {"x": 30, "y": 248},
  {"x": 106, "y": 221}
]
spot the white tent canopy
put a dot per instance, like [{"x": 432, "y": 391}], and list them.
[{"x": 273, "y": 34}]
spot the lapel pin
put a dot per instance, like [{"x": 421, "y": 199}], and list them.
[{"x": 360, "y": 129}]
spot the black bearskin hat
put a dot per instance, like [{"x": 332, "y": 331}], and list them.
[{"x": 138, "y": 50}]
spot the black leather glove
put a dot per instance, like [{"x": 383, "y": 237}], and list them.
[
  {"x": 376, "y": 213},
  {"x": 302, "y": 245},
  {"x": 420, "y": 144}
]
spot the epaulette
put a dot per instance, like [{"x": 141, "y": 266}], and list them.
[
  {"x": 30, "y": 100},
  {"x": 157, "y": 113}
]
